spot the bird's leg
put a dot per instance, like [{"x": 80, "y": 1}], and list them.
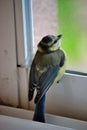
[{"x": 39, "y": 114}]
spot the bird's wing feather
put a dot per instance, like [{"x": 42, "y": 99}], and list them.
[
  {"x": 33, "y": 79},
  {"x": 42, "y": 77},
  {"x": 45, "y": 81}
]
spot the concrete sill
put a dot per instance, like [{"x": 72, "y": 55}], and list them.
[{"x": 20, "y": 119}]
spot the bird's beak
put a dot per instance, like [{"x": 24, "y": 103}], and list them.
[{"x": 59, "y": 36}]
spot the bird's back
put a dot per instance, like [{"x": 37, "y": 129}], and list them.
[{"x": 48, "y": 59}]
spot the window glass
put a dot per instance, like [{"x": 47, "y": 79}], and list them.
[
  {"x": 67, "y": 17},
  {"x": 44, "y": 19},
  {"x": 72, "y": 23}
]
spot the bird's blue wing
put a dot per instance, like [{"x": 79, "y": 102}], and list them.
[
  {"x": 42, "y": 77},
  {"x": 45, "y": 81},
  {"x": 33, "y": 80}
]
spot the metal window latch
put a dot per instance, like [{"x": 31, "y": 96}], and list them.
[{"x": 20, "y": 66}]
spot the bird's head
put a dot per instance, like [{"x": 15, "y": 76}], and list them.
[{"x": 49, "y": 43}]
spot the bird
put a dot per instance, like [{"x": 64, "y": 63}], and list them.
[{"x": 47, "y": 68}]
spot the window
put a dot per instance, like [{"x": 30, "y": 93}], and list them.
[
  {"x": 44, "y": 19},
  {"x": 28, "y": 30},
  {"x": 72, "y": 23},
  {"x": 66, "y": 17}
]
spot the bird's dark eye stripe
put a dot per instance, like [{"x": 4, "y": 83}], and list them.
[{"x": 55, "y": 41}]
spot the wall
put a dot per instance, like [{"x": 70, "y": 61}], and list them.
[
  {"x": 8, "y": 63},
  {"x": 13, "y": 72}
]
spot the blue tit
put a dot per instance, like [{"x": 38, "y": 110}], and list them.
[{"x": 47, "y": 68}]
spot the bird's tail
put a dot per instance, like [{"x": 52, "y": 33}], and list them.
[{"x": 39, "y": 114}]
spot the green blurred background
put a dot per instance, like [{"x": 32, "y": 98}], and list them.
[{"x": 72, "y": 23}]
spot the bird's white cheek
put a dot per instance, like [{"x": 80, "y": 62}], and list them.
[{"x": 59, "y": 43}]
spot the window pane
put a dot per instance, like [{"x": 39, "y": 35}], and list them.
[
  {"x": 68, "y": 17},
  {"x": 45, "y": 19},
  {"x": 72, "y": 23}
]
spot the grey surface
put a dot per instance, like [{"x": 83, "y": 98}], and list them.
[{"x": 10, "y": 123}]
